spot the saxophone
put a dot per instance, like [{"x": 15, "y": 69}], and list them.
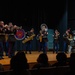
[
  {"x": 40, "y": 38},
  {"x": 28, "y": 39},
  {"x": 70, "y": 38},
  {"x": 6, "y": 37}
]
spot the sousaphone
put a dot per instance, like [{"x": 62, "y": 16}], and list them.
[{"x": 44, "y": 25}]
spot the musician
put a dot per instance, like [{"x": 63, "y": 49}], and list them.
[
  {"x": 70, "y": 38},
  {"x": 5, "y": 42},
  {"x": 28, "y": 44},
  {"x": 44, "y": 35},
  {"x": 56, "y": 41},
  {"x": 10, "y": 27},
  {"x": 11, "y": 40},
  {"x": 1, "y": 25},
  {"x": 1, "y": 39},
  {"x": 66, "y": 36}
]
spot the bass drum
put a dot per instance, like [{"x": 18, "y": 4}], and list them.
[{"x": 20, "y": 34}]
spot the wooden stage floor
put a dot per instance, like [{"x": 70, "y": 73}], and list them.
[{"x": 31, "y": 57}]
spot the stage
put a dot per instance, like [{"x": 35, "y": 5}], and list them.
[{"x": 31, "y": 58}]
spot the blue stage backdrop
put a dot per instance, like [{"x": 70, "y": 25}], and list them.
[{"x": 50, "y": 39}]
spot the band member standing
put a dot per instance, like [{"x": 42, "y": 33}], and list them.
[
  {"x": 44, "y": 35},
  {"x": 6, "y": 35},
  {"x": 56, "y": 41},
  {"x": 1, "y": 39},
  {"x": 66, "y": 36},
  {"x": 70, "y": 38},
  {"x": 13, "y": 29},
  {"x": 28, "y": 44}
]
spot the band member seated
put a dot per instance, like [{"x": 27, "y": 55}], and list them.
[
  {"x": 44, "y": 35},
  {"x": 28, "y": 43},
  {"x": 1, "y": 39},
  {"x": 56, "y": 41}
]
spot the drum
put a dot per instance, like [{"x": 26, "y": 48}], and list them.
[{"x": 20, "y": 34}]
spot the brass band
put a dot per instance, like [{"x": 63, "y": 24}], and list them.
[{"x": 8, "y": 31}]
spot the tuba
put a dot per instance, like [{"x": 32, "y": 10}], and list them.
[{"x": 43, "y": 27}]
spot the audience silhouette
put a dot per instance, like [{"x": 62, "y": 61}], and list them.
[
  {"x": 1, "y": 67},
  {"x": 19, "y": 65},
  {"x": 71, "y": 64},
  {"x": 42, "y": 61},
  {"x": 61, "y": 60}
]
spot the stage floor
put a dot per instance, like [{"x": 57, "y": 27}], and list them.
[{"x": 31, "y": 57}]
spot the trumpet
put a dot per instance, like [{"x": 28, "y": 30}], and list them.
[{"x": 17, "y": 27}]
